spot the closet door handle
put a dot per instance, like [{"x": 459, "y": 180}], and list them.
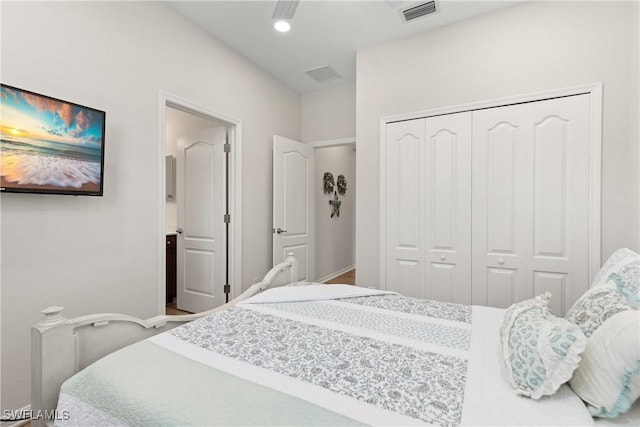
[
  {"x": 443, "y": 258},
  {"x": 501, "y": 261}
]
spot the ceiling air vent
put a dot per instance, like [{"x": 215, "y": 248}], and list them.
[
  {"x": 285, "y": 9},
  {"x": 418, "y": 11},
  {"x": 323, "y": 74}
]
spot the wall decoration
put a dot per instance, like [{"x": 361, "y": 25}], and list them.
[
  {"x": 335, "y": 204},
  {"x": 48, "y": 145},
  {"x": 342, "y": 185},
  {"x": 328, "y": 183}
]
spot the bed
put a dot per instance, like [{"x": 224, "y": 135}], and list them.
[{"x": 299, "y": 354}]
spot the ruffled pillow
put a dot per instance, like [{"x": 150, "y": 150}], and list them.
[
  {"x": 608, "y": 378},
  {"x": 540, "y": 350}
]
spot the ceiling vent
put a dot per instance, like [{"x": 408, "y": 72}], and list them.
[
  {"x": 418, "y": 11},
  {"x": 323, "y": 74},
  {"x": 285, "y": 9}
]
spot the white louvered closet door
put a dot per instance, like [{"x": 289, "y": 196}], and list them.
[{"x": 530, "y": 202}]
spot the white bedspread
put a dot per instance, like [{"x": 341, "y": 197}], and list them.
[{"x": 330, "y": 355}]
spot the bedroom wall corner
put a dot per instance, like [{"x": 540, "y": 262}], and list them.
[
  {"x": 329, "y": 114},
  {"x": 526, "y": 48},
  {"x": 102, "y": 254}
]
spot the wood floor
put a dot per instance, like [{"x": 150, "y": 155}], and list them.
[
  {"x": 173, "y": 310},
  {"x": 348, "y": 278}
]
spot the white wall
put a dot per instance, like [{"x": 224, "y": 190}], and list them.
[
  {"x": 530, "y": 47},
  {"x": 335, "y": 244},
  {"x": 329, "y": 114},
  {"x": 103, "y": 254}
]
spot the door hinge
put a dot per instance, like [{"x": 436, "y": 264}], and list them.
[
  {"x": 227, "y": 218},
  {"x": 227, "y": 288},
  {"x": 227, "y": 147}
]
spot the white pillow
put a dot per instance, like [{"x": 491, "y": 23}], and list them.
[
  {"x": 540, "y": 350},
  {"x": 608, "y": 377}
]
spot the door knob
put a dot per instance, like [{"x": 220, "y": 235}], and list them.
[
  {"x": 179, "y": 230},
  {"x": 443, "y": 258},
  {"x": 501, "y": 261},
  {"x": 280, "y": 230}
]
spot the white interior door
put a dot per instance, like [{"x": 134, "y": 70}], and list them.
[
  {"x": 293, "y": 216},
  {"x": 201, "y": 245},
  {"x": 531, "y": 202}
]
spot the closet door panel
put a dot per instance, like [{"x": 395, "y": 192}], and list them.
[
  {"x": 448, "y": 207},
  {"x": 501, "y": 284},
  {"x": 409, "y": 279},
  {"x": 556, "y": 283},
  {"x": 530, "y": 201},
  {"x": 560, "y": 197},
  {"x": 500, "y": 192},
  {"x": 405, "y": 211},
  {"x": 442, "y": 278}
]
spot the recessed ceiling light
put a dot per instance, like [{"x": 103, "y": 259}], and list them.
[{"x": 282, "y": 26}]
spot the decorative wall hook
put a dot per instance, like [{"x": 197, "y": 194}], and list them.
[
  {"x": 342, "y": 185},
  {"x": 328, "y": 183},
  {"x": 335, "y": 204}
]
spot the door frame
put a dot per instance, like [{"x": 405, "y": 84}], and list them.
[
  {"x": 348, "y": 141},
  {"x": 166, "y": 99},
  {"x": 595, "y": 159}
]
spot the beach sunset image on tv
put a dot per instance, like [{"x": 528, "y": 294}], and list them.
[{"x": 48, "y": 145}]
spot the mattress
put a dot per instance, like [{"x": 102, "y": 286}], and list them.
[{"x": 316, "y": 355}]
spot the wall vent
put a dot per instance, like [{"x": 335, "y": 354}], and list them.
[
  {"x": 323, "y": 74},
  {"x": 285, "y": 9},
  {"x": 418, "y": 11}
]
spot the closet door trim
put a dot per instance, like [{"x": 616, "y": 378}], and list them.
[{"x": 594, "y": 90}]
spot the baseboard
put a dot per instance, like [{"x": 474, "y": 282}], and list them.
[
  {"x": 336, "y": 274},
  {"x": 25, "y": 411}
]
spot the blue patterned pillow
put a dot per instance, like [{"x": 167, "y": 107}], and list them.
[
  {"x": 628, "y": 281},
  {"x": 616, "y": 262},
  {"x": 540, "y": 350},
  {"x": 596, "y": 306}
]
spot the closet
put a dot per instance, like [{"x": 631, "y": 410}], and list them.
[{"x": 489, "y": 206}]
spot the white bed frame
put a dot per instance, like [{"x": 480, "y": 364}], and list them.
[{"x": 61, "y": 347}]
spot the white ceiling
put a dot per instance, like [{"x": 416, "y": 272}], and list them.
[{"x": 324, "y": 32}]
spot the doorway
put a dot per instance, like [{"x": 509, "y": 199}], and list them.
[
  {"x": 201, "y": 162},
  {"x": 314, "y": 219},
  {"x": 335, "y": 210}
]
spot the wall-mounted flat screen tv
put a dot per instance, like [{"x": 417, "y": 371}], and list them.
[{"x": 49, "y": 145}]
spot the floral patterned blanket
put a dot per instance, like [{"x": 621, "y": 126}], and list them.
[{"x": 365, "y": 358}]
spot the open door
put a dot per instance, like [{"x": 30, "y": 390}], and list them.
[
  {"x": 201, "y": 198},
  {"x": 293, "y": 217}
]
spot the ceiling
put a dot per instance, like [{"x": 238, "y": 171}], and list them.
[{"x": 323, "y": 32}]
